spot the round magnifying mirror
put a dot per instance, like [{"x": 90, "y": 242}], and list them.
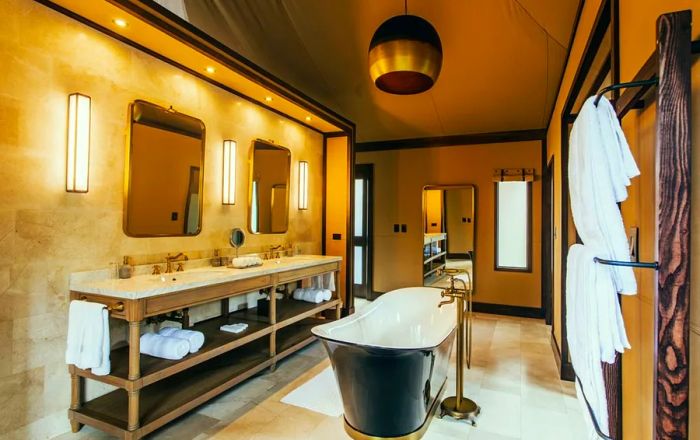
[{"x": 237, "y": 238}]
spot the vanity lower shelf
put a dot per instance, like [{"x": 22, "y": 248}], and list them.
[
  {"x": 153, "y": 369},
  {"x": 165, "y": 400}
]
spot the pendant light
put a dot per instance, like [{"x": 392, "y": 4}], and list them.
[{"x": 405, "y": 55}]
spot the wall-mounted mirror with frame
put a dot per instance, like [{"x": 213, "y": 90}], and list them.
[
  {"x": 164, "y": 172},
  {"x": 449, "y": 226},
  {"x": 268, "y": 201}
]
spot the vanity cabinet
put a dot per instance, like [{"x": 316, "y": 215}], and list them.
[{"x": 152, "y": 391}]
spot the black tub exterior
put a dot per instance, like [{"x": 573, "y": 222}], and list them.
[{"x": 388, "y": 392}]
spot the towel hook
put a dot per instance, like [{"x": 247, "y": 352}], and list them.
[
  {"x": 118, "y": 307},
  {"x": 641, "y": 83}
]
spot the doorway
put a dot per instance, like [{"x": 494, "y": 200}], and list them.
[{"x": 362, "y": 239}]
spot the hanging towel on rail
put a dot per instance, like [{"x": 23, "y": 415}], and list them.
[
  {"x": 600, "y": 162},
  {"x": 88, "y": 343}
]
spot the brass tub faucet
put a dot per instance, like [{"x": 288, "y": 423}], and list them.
[{"x": 457, "y": 406}]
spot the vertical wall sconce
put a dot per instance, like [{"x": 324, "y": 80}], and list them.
[
  {"x": 229, "y": 181},
  {"x": 78, "y": 154},
  {"x": 303, "y": 185}
]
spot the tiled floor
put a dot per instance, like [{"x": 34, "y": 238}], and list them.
[{"x": 513, "y": 378}]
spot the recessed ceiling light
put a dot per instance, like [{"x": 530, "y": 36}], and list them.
[
  {"x": 308, "y": 118},
  {"x": 211, "y": 69},
  {"x": 120, "y": 22},
  {"x": 268, "y": 98}
]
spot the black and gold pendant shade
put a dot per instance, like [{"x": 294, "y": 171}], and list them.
[{"x": 405, "y": 55}]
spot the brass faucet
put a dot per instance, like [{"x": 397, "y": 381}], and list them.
[
  {"x": 458, "y": 406},
  {"x": 272, "y": 249},
  {"x": 169, "y": 260}
]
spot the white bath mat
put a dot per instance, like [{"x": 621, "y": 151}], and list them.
[{"x": 319, "y": 394}]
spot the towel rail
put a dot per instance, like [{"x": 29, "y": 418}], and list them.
[
  {"x": 653, "y": 265},
  {"x": 118, "y": 307},
  {"x": 590, "y": 411},
  {"x": 627, "y": 85}
]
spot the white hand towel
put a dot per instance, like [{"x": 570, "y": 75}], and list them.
[
  {"x": 165, "y": 347},
  {"x": 325, "y": 281},
  {"x": 234, "y": 328},
  {"x": 593, "y": 199},
  {"x": 195, "y": 338},
  {"x": 88, "y": 342}
]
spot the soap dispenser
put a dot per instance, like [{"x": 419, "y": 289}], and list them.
[
  {"x": 216, "y": 259},
  {"x": 125, "y": 270}
]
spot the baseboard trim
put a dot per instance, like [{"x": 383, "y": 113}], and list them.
[
  {"x": 566, "y": 370},
  {"x": 504, "y": 309}
]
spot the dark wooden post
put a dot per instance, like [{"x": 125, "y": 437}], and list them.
[{"x": 673, "y": 219}]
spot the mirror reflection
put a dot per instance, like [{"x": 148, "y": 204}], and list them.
[
  {"x": 164, "y": 173},
  {"x": 448, "y": 226},
  {"x": 269, "y": 188}
]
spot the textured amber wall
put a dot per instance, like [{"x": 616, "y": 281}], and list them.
[
  {"x": 46, "y": 233},
  {"x": 399, "y": 178}
]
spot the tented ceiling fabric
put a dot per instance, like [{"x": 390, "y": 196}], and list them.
[{"x": 503, "y": 59}]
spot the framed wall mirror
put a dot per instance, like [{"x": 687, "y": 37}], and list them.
[
  {"x": 449, "y": 226},
  {"x": 268, "y": 210},
  {"x": 164, "y": 173}
]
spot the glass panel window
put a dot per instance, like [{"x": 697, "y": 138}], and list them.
[
  {"x": 357, "y": 268},
  {"x": 513, "y": 226},
  {"x": 359, "y": 206}
]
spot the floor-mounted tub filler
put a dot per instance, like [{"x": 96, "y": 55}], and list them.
[{"x": 391, "y": 361}]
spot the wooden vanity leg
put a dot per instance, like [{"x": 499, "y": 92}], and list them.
[
  {"x": 76, "y": 398},
  {"x": 134, "y": 423},
  {"x": 134, "y": 373},
  {"x": 273, "y": 321}
]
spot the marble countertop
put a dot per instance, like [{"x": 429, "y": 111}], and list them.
[{"x": 102, "y": 282}]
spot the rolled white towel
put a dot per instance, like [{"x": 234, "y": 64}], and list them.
[
  {"x": 243, "y": 262},
  {"x": 327, "y": 295},
  {"x": 165, "y": 347},
  {"x": 195, "y": 338},
  {"x": 299, "y": 293}
]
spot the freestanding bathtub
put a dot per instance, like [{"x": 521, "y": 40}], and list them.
[{"x": 391, "y": 361}]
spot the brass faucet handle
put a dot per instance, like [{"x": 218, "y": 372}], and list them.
[
  {"x": 156, "y": 270},
  {"x": 180, "y": 267}
]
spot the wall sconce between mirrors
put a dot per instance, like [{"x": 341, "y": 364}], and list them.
[
  {"x": 303, "y": 185},
  {"x": 229, "y": 176},
  {"x": 164, "y": 173},
  {"x": 268, "y": 209},
  {"x": 78, "y": 148}
]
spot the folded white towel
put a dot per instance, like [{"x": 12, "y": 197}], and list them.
[
  {"x": 195, "y": 338},
  {"x": 165, "y": 347},
  {"x": 243, "y": 262},
  {"x": 234, "y": 328},
  {"x": 325, "y": 281},
  {"x": 88, "y": 342},
  {"x": 594, "y": 174},
  {"x": 312, "y": 295}
]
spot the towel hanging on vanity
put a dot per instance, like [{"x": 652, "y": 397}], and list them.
[
  {"x": 88, "y": 343},
  {"x": 325, "y": 281}
]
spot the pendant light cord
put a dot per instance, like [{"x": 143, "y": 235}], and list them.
[{"x": 405, "y": 7}]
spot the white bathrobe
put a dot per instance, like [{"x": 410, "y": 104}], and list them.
[{"x": 600, "y": 165}]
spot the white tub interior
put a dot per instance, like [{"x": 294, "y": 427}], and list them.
[{"x": 403, "y": 319}]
